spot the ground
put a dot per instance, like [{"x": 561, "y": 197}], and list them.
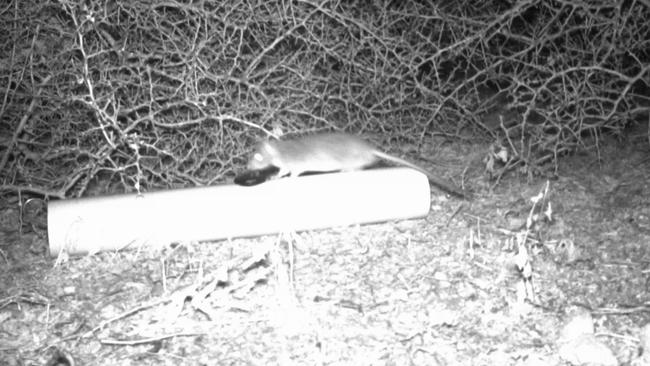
[{"x": 442, "y": 290}]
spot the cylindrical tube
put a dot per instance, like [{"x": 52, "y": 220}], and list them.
[{"x": 95, "y": 224}]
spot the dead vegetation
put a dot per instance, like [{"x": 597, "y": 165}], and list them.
[
  {"x": 107, "y": 97},
  {"x": 169, "y": 94}
]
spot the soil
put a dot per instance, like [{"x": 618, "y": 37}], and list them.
[{"x": 484, "y": 282}]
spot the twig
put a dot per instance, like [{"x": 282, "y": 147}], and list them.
[
  {"x": 116, "y": 342},
  {"x": 21, "y": 125}
]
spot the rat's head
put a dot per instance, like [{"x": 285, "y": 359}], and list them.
[{"x": 263, "y": 156}]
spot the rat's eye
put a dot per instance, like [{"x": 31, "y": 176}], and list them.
[{"x": 257, "y": 156}]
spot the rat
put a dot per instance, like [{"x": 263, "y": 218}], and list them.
[{"x": 329, "y": 152}]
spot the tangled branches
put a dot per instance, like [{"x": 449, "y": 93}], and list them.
[{"x": 145, "y": 95}]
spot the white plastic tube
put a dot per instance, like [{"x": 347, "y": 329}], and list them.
[{"x": 89, "y": 225}]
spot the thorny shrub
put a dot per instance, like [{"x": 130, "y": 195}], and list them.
[{"x": 152, "y": 94}]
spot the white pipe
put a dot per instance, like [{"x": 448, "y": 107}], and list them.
[{"x": 89, "y": 225}]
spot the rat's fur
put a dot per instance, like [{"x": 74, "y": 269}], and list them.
[{"x": 328, "y": 152}]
